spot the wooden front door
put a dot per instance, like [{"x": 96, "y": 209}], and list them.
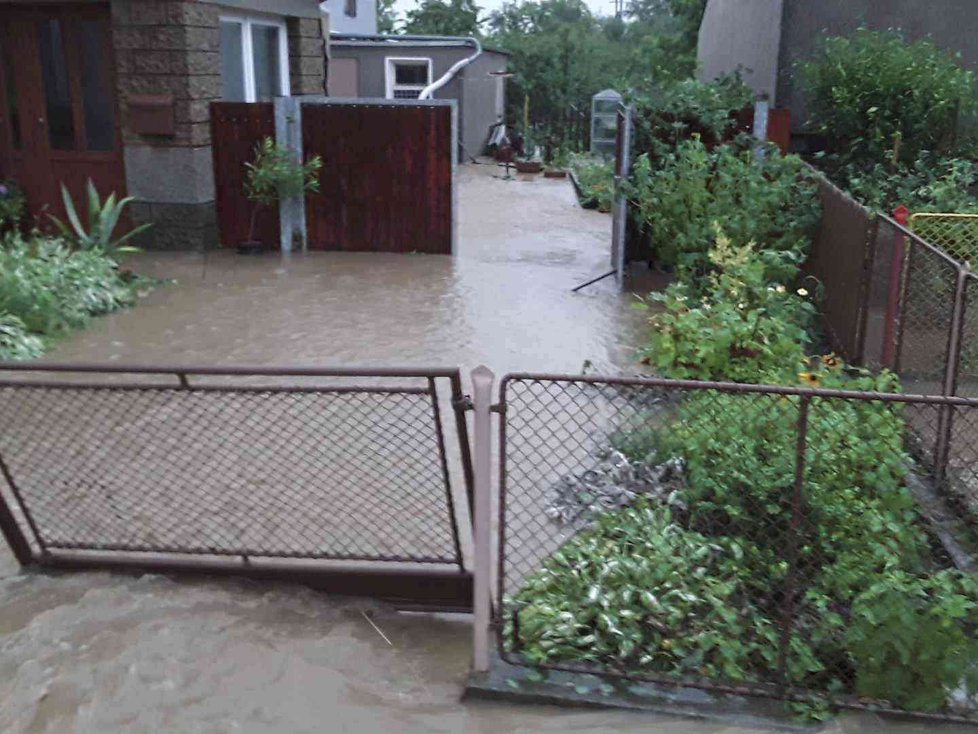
[{"x": 59, "y": 114}]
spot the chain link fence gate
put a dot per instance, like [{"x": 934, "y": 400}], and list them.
[{"x": 345, "y": 479}]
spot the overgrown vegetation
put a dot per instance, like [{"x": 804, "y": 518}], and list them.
[
  {"x": 50, "y": 285},
  {"x": 896, "y": 118},
  {"x": 596, "y": 180},
  {"x": 695, "y": 585}
]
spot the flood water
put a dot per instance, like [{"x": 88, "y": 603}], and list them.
[{"x": 94, "y": 652}]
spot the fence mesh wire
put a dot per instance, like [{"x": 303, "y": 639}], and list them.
[
  {"x": 731, "y": 539},
  {"x": 955, "y": 234},
  {"x": 306, "y": 473}
]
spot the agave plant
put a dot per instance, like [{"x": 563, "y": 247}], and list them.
[{"x": 102, "y": 220}]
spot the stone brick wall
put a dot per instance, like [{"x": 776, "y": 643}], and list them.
[
  {"x": 173, "y": 47},
  {"x": 169, "y": 48},
  {"x": 307, "y": 68}
]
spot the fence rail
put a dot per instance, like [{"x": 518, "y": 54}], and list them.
[
  {"x": 717, "y": 535},
  {"x": 353, "y": 468}
]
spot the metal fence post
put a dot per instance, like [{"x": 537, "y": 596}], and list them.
[
  {"x": 946, "y": 417},
  {"x": 894, "y": 290},
  {"x": 482, "y": 381}
]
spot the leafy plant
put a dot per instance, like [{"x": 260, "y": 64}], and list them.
[
  {"x": 103, "y": 218},
  {"x": 50, "y": 288},
  {"x": 15, "y": 341},
  {"x": 641, "y": 593},
  {"x": 771, "y": 201},
  {"x": 12, "y": 205},
  {"x": 877, "y": 97},
  {"x": 740, "y": 327},
  {"x": 275, "y": 174},
  {"x": 596, "y": 179},
  {"x": 912, "y": 639}
]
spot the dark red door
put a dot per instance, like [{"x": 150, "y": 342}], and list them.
[{"x": 59, "y": 119}]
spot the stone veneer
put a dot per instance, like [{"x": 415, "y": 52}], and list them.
[{"x": 173, "y": 48}]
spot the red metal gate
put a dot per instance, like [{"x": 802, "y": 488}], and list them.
[
  {"x": 236, "y": 128},
  {"x": 386, "y": 183}
]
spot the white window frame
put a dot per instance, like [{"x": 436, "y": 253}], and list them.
[
  {"x": 390, "y": 62},
  {"x": 248, "y": 52}
]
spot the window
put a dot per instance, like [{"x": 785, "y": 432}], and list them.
[
  {"x": 254, "y": 59},
  {"x": 350, "y": 8},
  {"x": 406, "y": 78}
]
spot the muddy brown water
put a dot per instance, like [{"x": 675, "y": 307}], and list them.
[{"x": 95, "y": 652}]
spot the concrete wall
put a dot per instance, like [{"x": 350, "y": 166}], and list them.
[
  {"x": 365, "y": 21},
  {"x": 742, "y": 34},
  {"x": 173, "y": 48},
  {"x": 472, "y": 88},
  {"x": 951, "y": 24}
]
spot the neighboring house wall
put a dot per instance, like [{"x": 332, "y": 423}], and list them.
[
  {"x": 363, "y": 19},
  {"x": 473, "y": 88},
  {"x": 744, "y": 35},
  {"x": 951, "y": 24},
  {"x": 173, "y": 48}
]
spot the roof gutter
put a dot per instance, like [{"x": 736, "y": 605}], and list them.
[{"x": 445, "y": 78}]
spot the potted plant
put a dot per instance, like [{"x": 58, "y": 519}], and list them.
[
  {"x": 273, "y": 175},
  {"x": 557, "y": 165},
  {"x": 529, "y": 160}
]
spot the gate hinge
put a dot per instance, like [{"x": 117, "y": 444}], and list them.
[
  {"x": 498, "y": 408},
  {"x": 463, "y": 403}
]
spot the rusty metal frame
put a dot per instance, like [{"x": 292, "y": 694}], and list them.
[
  {"x": 779, "y": 690},
  {"x": 416, "y": 582}
]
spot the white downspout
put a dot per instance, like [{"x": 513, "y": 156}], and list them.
[{"x": 445, "y": 78}]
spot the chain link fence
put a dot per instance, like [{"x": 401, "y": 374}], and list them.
[
  {"x": 955, "y": 234},
  {"x": 352, "y": 466},
  {"x": 761, "y": 540}
]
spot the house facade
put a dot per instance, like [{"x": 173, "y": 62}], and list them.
[
  {"x": 119, "y": 92},
  {"x": 767, "y": 39},
  {"x": 388, "y": 68}
]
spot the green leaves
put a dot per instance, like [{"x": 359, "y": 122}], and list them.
[
  {"x": 274, "y": 174},
  {"x": 102, "y": 220}
]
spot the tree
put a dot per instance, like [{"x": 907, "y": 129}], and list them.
[
  {"x": 386, "y": 16},
  {"x": 441, "y": 18}
]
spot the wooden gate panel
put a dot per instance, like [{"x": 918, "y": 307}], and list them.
[
  {"x": 386, "y": 182},
  {"x": 236, "y": 129}
]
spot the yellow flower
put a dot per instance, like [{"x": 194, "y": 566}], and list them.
[
  {"x": 809, "y": 378},
  {"x": 802, "y": 292},
  {"x": 831, "y": 361}
]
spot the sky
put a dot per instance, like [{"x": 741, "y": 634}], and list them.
[{"x": 598, "y": 7}]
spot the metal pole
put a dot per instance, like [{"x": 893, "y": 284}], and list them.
[
  {"x": 482, "y": 381},
  {"x": 901, "y": 215},
  {"x": 946, "y": 415}
]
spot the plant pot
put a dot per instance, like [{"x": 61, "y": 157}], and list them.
[
  {"x": 250, "y": 247},
  {"x": 529, "y": 166},
  {"x": 555, "y": 173}
]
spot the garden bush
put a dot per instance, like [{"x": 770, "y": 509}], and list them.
[
  {"x": 640, "y": 592},
  {"x": 47, "y": 288},
  {"x": 596, "y": 179},
  {"x": 16, "y": 342},
  {"x": 736, "y": 324},
  {"x": 873, "y": 89},
  {"x": 668, "y": 115},
  {"x": 770, "y": 200}
]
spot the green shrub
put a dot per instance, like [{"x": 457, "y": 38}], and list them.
[
  {"x": 930, "y": 183},
  {"x": 742, "y": 328},
  {"x": 871, "y": 89},
  {"x": 596, "y": 178},
  {"x": 52, "y": 289},
  {"x": 639, "y": 592},
  {"x": 102, "y": 220},
  {"x": 15, "y": 342},
  {"x": 666, "y": 116},
  {"x": 913, "y": 639},
  {"x": 771, "y": 201}
]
